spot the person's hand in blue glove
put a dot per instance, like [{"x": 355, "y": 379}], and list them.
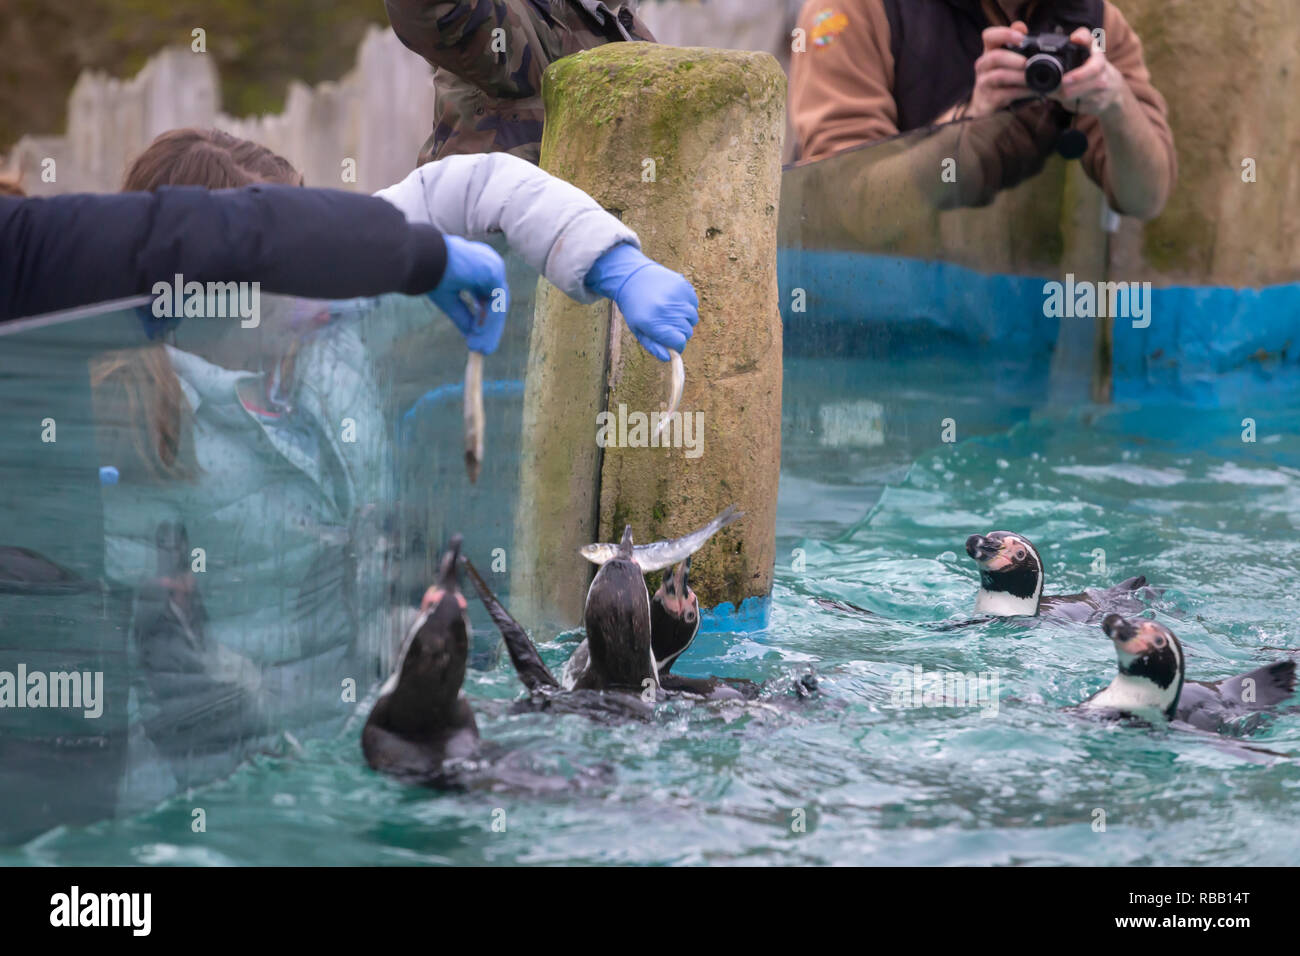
[
  {"x": 473, "y": 293},
  {"x": 660, "y": 306}
]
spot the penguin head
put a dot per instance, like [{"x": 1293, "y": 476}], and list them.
[
  {"x": 1149, "y": 654},
  {"x": 1011, "y": 573},
  {"x": 437, "y": 650},
  {"x": 675, "y": 595},
  {"x": 674, "y": 615}
]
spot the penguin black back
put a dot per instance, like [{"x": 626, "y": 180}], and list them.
[{"x": 618, "y": 626}]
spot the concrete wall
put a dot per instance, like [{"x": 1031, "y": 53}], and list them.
[
  {"x": 1231, "y": 74},
  {"x": 377, "y": 115}
]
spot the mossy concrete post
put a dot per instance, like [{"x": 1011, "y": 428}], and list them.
[{"x": 683, "y": 144}]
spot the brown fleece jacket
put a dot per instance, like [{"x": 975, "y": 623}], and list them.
[{"x": 841, "y": 90}]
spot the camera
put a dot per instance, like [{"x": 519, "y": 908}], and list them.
[{"x": 1049, "y": 57}]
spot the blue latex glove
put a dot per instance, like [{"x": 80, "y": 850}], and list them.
[
  {"x": 473, "y": 293},
  {"x": 660, "y": 306}
]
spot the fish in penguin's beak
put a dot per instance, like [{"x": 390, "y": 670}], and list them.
[{"x": 676, "y": 595}]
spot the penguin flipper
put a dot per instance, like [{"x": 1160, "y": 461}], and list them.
[
  {"x": 528, "y": 663},
  {"x": 1249, "y": 752},
  {"x": 711, "y": 688},
  {"x": 846, "y": 606},
  {"x": 1271, "y": 684}
]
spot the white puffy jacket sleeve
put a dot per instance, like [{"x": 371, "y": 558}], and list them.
[{"x": 555, "y": 227}]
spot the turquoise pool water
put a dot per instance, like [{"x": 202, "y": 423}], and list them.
[{"x": 874, "y": 510}]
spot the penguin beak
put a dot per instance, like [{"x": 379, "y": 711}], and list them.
[
  {"x": 980, "y": 548},
  {"x": 448, "y": 584},
  {"x": 1130, "y": 639},
  {"x": 1116, "y": 628},
  {"x": 447, "y": 575},
  {"x": 680, "y": 576}
]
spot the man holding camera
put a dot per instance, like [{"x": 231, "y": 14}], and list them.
[{"x": 876, "y": 68}]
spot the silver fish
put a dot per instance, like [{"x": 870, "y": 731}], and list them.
[
  {"x": 675, "y": 396},
  {"x": 474, "y": 414},
  {"x": 664, "y": 554}
]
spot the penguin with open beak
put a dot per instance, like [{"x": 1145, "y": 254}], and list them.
[
  {"x": 627, "y": 632},
  {"x": 422, "y": 719},
  {"x": 674, "y": 616}
]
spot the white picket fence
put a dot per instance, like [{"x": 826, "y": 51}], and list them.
[{"x": 373, "y": 119}]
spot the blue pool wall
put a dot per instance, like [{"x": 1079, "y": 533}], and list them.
[{"x": 1205, "y": 345}]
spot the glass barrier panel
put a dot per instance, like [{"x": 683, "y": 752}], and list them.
[{"x": 212, "y": 543}]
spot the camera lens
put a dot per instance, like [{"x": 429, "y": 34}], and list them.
[{"x": 1043, "y": 73}]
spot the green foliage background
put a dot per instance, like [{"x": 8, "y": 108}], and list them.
[{"x": 259, "y": 46}]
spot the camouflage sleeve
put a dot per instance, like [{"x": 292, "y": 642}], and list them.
[{"x": 495, "y": 44}]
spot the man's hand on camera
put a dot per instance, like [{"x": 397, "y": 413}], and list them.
[
  {"x": 1094, "y": 88},
  {"x": 999, "y": 72}
]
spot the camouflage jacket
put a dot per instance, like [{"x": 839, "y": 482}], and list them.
[{"x": 488, "y": 58}]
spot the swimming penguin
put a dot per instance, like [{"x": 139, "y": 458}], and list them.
[
  {"x": 1011, "y": 583},
  {"x": 674, "y": 616},
  {"x": 1151, "y": 684},
  {"x": 422, "y": 720},
  {"x": 671, "y": 619},
  {"x": 674, "y": 622},
  {"x": 626, "y": 629},
  {"x": 545, "y": 692},
  {"x": 617, "y": 616}
]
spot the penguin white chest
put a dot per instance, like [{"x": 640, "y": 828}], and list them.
[
  {"x": 1134, "y": 695},
  {"x": 1002, "y": 604}
]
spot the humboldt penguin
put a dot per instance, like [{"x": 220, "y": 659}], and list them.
[
  {"x": 422, "y": 719},
  {"x": 617, "y": 616},
  {"x": 1011, "y": 583},
  {"x": 674, "y": 623},
  {"x": 674, "y": 616},
  {"x": 627, "y": 631},
  {"x": 671, "y": 618},
  {"x": 1151, "y": 682}
]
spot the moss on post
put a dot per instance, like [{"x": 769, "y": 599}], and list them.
[{"x": 684, "y": 145}]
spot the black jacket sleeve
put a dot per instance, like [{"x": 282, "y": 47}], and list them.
[{"x": 66, "y": 251}]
